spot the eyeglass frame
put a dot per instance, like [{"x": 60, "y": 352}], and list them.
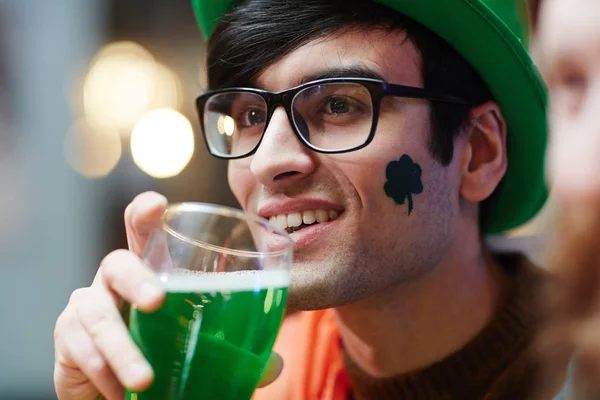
[{"x": 378, "y": 89}]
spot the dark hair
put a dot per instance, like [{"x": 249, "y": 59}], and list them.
[{"x": 258, "y": 33}]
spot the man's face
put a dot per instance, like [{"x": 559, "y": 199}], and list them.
[
  {"x": 369, "y": 241},
  {"x": 568, "y": 52}
]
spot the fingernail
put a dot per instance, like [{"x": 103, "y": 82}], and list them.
[
  {"x": 150, "y": 293},
  {"x": 138, "y": 373}
]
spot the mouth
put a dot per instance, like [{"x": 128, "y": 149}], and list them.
[{"x": 296, "y": 221}]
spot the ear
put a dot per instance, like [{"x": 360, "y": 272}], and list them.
[{"x": 483, "y": 158}]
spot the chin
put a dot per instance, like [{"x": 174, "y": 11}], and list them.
[{"x": 313, "y": 288}]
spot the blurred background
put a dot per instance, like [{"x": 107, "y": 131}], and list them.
[{"x": 96, "y": 106}]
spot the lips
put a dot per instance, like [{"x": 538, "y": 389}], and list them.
[
  {"x": 303, "y": 219},
  {"x": 297, "y": 220}
]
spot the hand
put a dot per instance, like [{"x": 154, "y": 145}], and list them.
[{"x": 94, "y": 354}]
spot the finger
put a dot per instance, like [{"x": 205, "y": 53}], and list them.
[
  {"x": 86, "y": 356},
  {"x": 126, "y": 275},
  {"x": 142, "y": 216},
  {"x": 103, "y": 324},
  {"x": 272, "y": 370}
]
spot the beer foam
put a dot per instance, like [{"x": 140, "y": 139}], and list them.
[{"x": 193, "y": 281}]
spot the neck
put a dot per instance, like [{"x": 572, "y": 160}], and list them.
[{"x": 415, "y": 324}]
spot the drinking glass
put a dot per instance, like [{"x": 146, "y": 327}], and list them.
[{"x": 226, "y": 274}]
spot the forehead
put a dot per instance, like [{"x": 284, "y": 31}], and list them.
[
  {"x": 387, "y": 53},
  {"x": 569, "y": 27}
]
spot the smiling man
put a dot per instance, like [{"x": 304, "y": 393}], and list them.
[{"x": 387, "y": 138}]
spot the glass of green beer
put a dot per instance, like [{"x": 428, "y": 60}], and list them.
[{"x": 226, "y": 275}]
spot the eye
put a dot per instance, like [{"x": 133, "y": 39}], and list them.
[
  {"x": 569, "y": 88},
  {"x": 252, "y": 117},
  {"x": 574, "y": 81},
  {"x": 340, "y": 106},
  {"x": 337, "y": 105}
]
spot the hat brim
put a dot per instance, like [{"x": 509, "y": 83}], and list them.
[{"x": 503, "y": 63}]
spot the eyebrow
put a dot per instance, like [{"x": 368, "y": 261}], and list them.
[{"x": 354, "y": 71}]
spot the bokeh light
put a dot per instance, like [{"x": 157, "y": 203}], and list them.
[
  {"x": 120, "y": 85},
  {"x": 229, "y": 126},
  {"x": 168, "y": 90},
  {"x": 226, "y": 125},
  {"x": 162, "y": 143},
  {"x": 92, "y": 147}
]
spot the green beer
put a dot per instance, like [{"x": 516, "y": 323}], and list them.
[{"x": 213, "y": 335}]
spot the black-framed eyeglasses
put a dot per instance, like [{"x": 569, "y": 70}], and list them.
[{"x": 335, "y": 115}]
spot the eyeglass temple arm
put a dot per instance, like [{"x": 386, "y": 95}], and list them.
[{"x": 420, "y": 93}]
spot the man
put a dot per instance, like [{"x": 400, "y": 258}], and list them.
[
  {"x": 387, "y": 154},
  {"x": 568, "y": 39}
]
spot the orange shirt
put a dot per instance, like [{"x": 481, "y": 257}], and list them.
[{"x": 309, "y": 343}]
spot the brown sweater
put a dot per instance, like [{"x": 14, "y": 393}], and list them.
[{"x": 496, "y": 365}]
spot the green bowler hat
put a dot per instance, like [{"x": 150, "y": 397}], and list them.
[{"x": 493, "y": 36}]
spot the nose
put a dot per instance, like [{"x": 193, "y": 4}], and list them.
[{"x": 281, "y": 157}]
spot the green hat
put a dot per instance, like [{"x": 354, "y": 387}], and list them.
[{"x": 492, "y": 35}]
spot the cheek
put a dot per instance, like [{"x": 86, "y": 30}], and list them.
[
  {"x": 391, "y": 181},
  {"x": 241, "y": 181},
  {"x": 388, "y": 171}
]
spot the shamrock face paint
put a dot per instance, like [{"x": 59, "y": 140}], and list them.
[{"x": 403, "y": 180}]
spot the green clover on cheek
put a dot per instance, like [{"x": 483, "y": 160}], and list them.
[{"x": 403, "y": 180}]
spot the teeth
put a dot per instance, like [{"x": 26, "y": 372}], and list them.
[
  {"x": 294, "y": 219},
  {"x": 322, "y": 216},
  {"x": 281, "y": 222},
  {"x": 308, "y": 217}
]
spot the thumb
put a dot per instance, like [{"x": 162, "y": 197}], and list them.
[
  {"x": 142, "y": 217},
  {"x": 272, "y": 370}
]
